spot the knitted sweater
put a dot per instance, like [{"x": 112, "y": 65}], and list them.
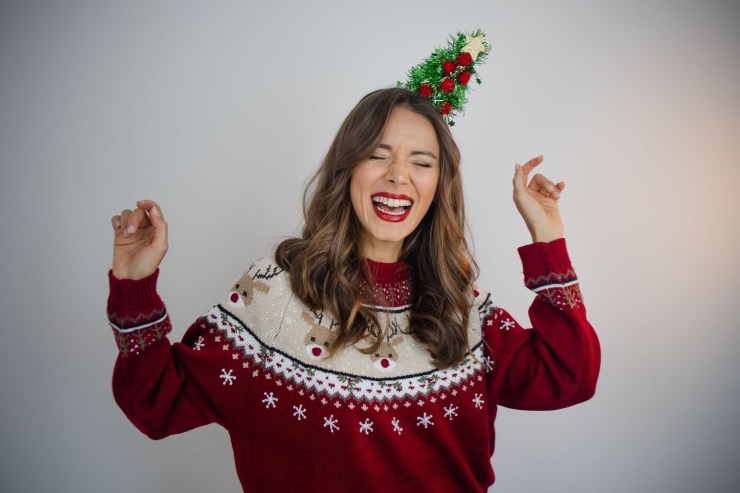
[{"x": 389, "y": 421}]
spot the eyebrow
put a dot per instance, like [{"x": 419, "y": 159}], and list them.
[{"x": 423, "y": 153}]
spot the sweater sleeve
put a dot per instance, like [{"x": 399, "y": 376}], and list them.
[
  {"x": 555, "y": 364},
  {"x": 162, "y": 388}
]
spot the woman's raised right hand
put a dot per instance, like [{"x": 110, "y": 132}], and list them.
[{"x": 140, "y": 240}]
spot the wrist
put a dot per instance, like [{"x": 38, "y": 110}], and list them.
[
  {"x": 546, "y": 237},
  {"x": 129, "y": 275},
  {"x": 546, "y": 233}
]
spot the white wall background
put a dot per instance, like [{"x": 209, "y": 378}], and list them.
[{"x": 221, "y": 112}]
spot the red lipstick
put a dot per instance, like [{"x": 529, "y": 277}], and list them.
[{"x": 392, "y": 207}]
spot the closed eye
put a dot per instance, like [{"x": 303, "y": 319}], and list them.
[{"x": 423, "y": 165}]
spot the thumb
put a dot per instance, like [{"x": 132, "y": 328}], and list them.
[
  {"x": 155, "y": 216},
  {"x": 520, "y": 179},
  {"x": 153, "y": 211},
  {"x": 157, "y": 221}
]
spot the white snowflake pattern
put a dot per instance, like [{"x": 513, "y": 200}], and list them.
[
  {"x": 507, "y": 324},
  {"x": 451, "y": 412},
  {"x": 228, "y": 377},
  {"x": 488, "y": 362},
  {"x": 331, "y": 423},
  {"x": 199, "y": 344},
  {"x": 396, "y": 426},
  {"x": 270, "y": 400},
  {"x": 478, "y": 401},
  {"x": 425, "y": 421},
  {"x": 299, "y": 412},
  {"x": 366, "y": 427}
]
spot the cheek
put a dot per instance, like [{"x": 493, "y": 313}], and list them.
[
  {"x": 360, "y": 184},
  {"x": 428, "y": 189}
]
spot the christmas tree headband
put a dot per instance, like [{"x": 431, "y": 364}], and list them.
[{"x": 443, "y": 76}]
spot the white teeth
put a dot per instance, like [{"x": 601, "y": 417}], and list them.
[{"x": 391, "y": 202}]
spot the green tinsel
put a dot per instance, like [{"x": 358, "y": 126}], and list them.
[{"x": 430, "y": 72}]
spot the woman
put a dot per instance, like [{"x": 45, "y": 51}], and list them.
[{"x": 362, "y": 358}]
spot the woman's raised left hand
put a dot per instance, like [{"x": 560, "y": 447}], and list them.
[{"x": 537, "y": 202}]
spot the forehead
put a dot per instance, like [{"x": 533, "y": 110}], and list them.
[{"x": 405, "y": 128}]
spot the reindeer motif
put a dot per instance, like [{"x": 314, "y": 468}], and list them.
[
  {"x": 318, "y": 339},
  {"x": 386, "y": 357},
  {"x": 243, "y": 290}
]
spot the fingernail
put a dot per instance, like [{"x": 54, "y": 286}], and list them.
[
  {"x": 155, "y": 211},
  {"x": 131, "y": 230},
  {"x": 516, "y": 167}
]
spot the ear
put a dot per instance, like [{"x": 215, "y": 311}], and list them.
[
  {"x": 262, "y": 286},
  {"x": 397, "y": 341},
  {"x": 308, "y": 318}
]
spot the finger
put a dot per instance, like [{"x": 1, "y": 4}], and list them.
[
  {"x": 544, "y": 186},
  {"x": 125, "y": 214},
  {"x": 522, "y": 173},
  {"x": 532, "y": 164},
  {"x": 137, "y": 219},
  {"x": 116, "y": 223},
  {"x": 154, "y": 211},
  {"x": 156, "y": 219},
  {"x": 519, "y": 181}
]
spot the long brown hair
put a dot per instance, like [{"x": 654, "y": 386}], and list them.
[{"x": 325, "y": 266}]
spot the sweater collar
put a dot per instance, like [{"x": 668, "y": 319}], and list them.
[{"x": 386, "y": 272}]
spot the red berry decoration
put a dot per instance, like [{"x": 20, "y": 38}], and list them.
[
  {"x": 463, "y": 78},
  {"x": 447, "y": 84},
  {"x": 464, "y": 59},
  {"x": 426, "y": 90},
  {"x": 446, "y": 76}
]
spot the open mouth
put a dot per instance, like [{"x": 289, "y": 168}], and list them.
[{"x": 392, "y": 207}]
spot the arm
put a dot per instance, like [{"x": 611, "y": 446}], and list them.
[
  {"x": 556, "y": 363},
  {"x": 162, "y": 388}
]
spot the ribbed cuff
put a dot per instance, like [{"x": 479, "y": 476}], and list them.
[
  {"x": 128, "y": 294},
  {"x": 541, "y": 259}
]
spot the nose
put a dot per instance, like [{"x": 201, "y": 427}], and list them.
[{"x": 397, "y": 173}]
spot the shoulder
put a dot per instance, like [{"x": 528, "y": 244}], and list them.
[
  {"x": 481, "y": 307},
  {"x": 483, "y": 302}
]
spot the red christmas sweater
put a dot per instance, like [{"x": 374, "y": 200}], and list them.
[{"x": 256, "y": 364}]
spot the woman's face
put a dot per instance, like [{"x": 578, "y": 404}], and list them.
[{"x": 393, "y": 189}]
